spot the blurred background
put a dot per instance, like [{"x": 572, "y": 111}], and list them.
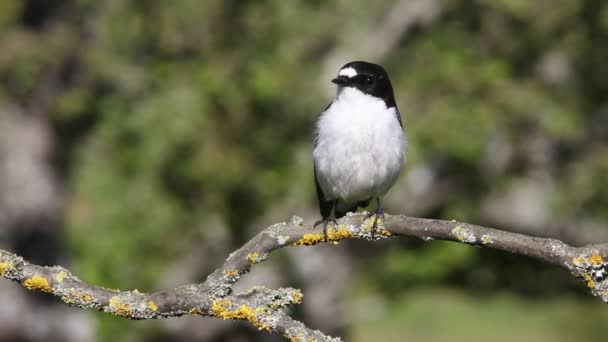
[{"x": 142, "y": 141}]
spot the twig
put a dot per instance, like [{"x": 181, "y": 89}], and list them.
[{"x": 263, "y": 307}]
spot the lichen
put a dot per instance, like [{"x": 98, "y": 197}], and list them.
[
  {"x": 195, "y": 311},
  {"x": 309, "y": 239},
  {"x": 38, "y": 282},
  {"x": 368, "y": 225},
  {"x": 463, "y": 234},
  {"x": 297, "y": 220},
  {"x": 77, "y": 298},
  {"x": 589, "y": 280},
  {"x": 333, "y": 236},
  {"x": 60, "y": 276},
  {"x": 233, "y": 272},
  {"x": 152, "y": 306},
  {"x": 300, "y": 338},
  {"x": 221, "y": 309},
  {"x": 340, "y": 234},
  {"x": 578, "y": 261},
  {"x": 296, "y": 297},
  {"x": 385, "y": 232},
  {"x": 253, "y": 258},
  {"x": 593, "y": 269},
  {"x": 119, "y": 308},
  {"x": 596, "y": 259},
  {"x": 6, "y": 266},
  {"x": 486, "y": 239}
]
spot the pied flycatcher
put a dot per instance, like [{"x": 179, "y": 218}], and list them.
[{"x": 359, "y": 143}]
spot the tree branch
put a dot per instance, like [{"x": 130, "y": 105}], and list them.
[{"x": 263, "y": 307}]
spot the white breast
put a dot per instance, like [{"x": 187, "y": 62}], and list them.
[{"x": 360, "y": 147}]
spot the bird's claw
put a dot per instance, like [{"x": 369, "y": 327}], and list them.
[
  {"x": 378, "y": 217},
  {"x": 325, "y": 224}
]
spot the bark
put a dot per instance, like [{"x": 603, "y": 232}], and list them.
[{"x": 263, "y": 307}]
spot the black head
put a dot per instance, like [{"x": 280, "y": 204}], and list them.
[{"x": 369, "y": 78}]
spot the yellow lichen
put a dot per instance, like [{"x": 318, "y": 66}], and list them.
[
  {"x": 81, "y": 295},
  {"x": 38, "y": 282},
  {"x": 195, "y": 311},
  {"x": 369, "y": 224},
  {"x": 119, "y": 308},
  {"x": 578, "y": 261},
  {"x": 596, "y": 259},
  {"x": 385, "y": 232},
  {"x": 333, "y": 236},
  {"x": 152, "y": 306},
  {"x": 309, "y": 239},
  {"x": 74, "y": 297},
  {"x": 297, "y": 297},
  {"x": 457, "y": 232},
  {"x": 6, "y": 266},
  {"x": 337, "y": 235},
  {"x": 221, "y": 309},
  {"x": 60, "y": 276},
  {"x": 487, "y": 239},
  {"x": 589, "y": 280},
  {"x": 233, "y": 273},
  {"x": 253, "y": 257}
]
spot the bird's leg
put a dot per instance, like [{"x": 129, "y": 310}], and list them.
[
  {"x": 379, "y": 216},
  {"x": 330, "y": 218}
]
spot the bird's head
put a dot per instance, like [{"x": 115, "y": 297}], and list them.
[{"x": 369, "y": 78}]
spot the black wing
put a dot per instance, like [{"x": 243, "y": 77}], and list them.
[
  {"x": 399, "y": 117},
  {"x": 324, "y": 204}
]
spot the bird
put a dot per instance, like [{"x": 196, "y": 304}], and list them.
[{"x": 359, "y": 144}]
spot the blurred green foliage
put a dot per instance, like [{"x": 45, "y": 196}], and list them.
[{"x": 172, "y": 114}]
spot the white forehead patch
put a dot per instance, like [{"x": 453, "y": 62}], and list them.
[{"x": 348, "y": 72}]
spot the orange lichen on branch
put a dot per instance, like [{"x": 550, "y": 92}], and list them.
[
  {"x": 119, "y": 308},
  {"x": 60, "y": 276},
  {"x": 6, "y": 266},
  {"x": 596, "y": 260},
  {"x": 152, "y": 306},
  {"x": 295, "y": 338},
  {"x": 78, "y": 298},
  {"x": 589, "y": 280},
  {"x": 296, "y": 297},
  {"x": 333, "y": 235},
  {"x": 195, "y": 311},
  {"x": 37, "y": 282},
  {"x": 336, "y": 235},
  {"x": 309, "y": 239},
  {"x": 369, "y": 224},
  {"x": 463, "y": 234},
  {"x": 385, "y": 232},
  {"x": 253, "y": 257},
  {"x": 578, "y": 261},
  {"x": 221, "y": 309},
  {"x": 232, "y": 273}
]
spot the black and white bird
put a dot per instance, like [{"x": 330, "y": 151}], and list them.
[{"x": 359, "y": 143}]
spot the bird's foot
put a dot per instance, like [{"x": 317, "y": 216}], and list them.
[
  {"x": 378, "y": 217},
  {"x": 325, "y": 222}
]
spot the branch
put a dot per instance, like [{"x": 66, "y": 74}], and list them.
[{"x": 263, "y": 307}]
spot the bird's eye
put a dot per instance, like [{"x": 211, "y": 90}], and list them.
[{"x": 368, "y": 80}]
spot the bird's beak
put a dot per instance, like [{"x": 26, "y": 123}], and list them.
[{"x": 341, "y": 80}]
